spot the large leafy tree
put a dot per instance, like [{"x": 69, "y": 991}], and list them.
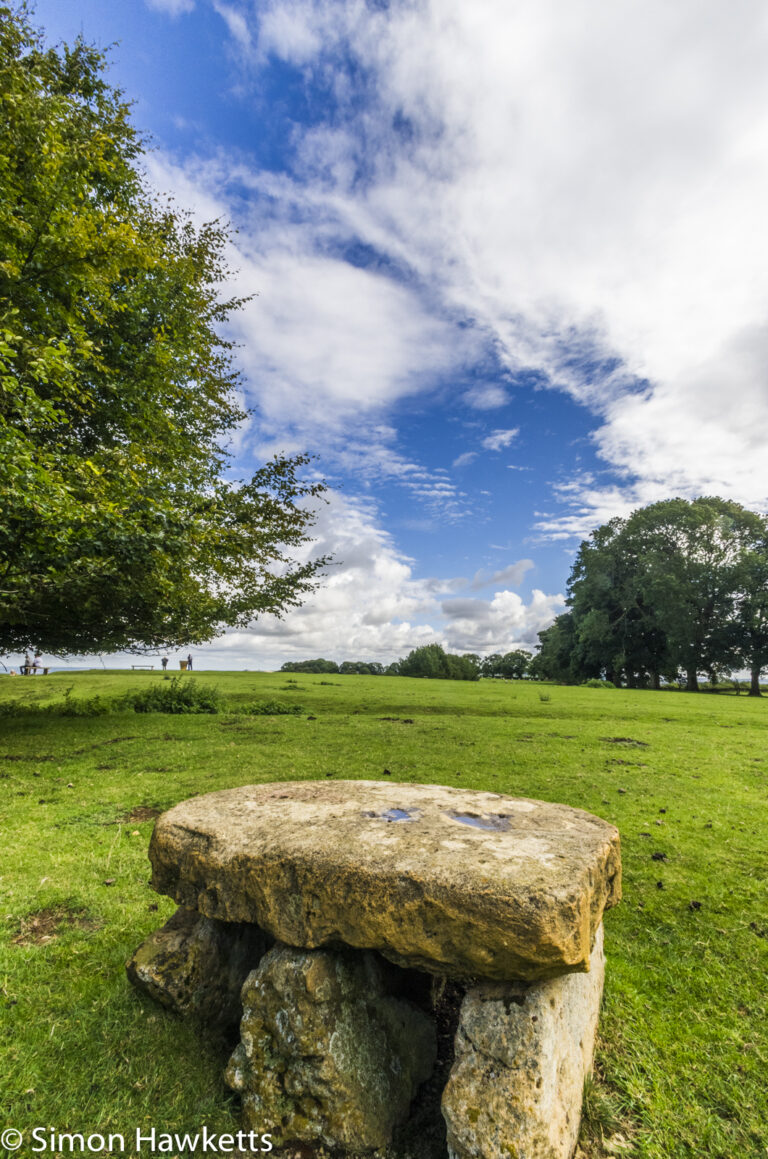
[
  {"x": 119, "y": 525},
  {"x": 749, "y": 624},
  {"x": 512, "y": 665},
  {"x": 616, "y": 629},
  {"x": 688, "y": 567},
  {"x": 431, "y": 660},
  {"x": 556, "y": 657},
  {"x": 679, "y": 585}
]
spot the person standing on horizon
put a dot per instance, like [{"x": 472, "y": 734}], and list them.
[
  {"x": 189, "y": 662},
  {"x": 164, "y": 662}
]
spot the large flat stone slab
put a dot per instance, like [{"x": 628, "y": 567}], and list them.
[{"x": 455, "y": 882}]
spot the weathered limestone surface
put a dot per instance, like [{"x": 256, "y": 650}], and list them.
[
  {"x": 327, "y": 1055},
  {"x": 522, "y": 1054},
  {"x": 197, "y": 965},
  {"x": 459, "y": 883}
]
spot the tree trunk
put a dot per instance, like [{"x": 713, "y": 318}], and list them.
[
  {"x": 754, "y": 687},
  {"x": 655, "y": 681},
  {"x": 692, "y": 680}
]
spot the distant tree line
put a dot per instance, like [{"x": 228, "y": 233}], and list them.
[
  {"x": 431, "y": 661},
  {"x": 347, "y": 668},
  {"x": 678, "y": 589}
]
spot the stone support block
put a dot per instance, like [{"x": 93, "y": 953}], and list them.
[
  {"x": 327, "y": 1055},
  {"x": 196, "y": 966},
  {"x": 522, "y": 1054}
]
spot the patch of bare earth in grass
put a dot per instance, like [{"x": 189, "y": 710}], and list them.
[
  {"x": 140, "y": 813},
  {"x": 45, "y": 925}
]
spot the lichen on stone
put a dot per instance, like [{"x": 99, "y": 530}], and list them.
[{"x": 327, "y": 1054}]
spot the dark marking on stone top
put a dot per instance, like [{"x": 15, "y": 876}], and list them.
[
  {"x": 392, "y": 815},
  {"x": 498, "y": 822}
]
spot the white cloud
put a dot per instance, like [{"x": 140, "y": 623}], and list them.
[
  {"x": 587, "y": 183},
  {"x": 513, "y": 574},
  {"x": 171, "y": 7},
  {"x": 486, "y": 396},
  {"x": 371, "y": 607},
  {"x": 324, "y": 342},
  {"x": 325, "y": 346},
  {"x": 498, "y": 440},
  {"x": 235, "y": 22},
  {"x": 329, "y": 335},
  {"x": 501, "y": 624},
  {"x": 285, "y": 31},
  {"x": 465, "y": 459}
]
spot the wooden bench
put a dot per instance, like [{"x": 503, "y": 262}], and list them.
[{"x": 147, "y": 667}]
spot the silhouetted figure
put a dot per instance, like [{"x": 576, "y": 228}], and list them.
[
  {"x": 189, "y": 662},
  {"x": 164, "y": 662}
]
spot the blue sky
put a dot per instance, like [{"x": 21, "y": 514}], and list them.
[{"x": 511, "y": 276}]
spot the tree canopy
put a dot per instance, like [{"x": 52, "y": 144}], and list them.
[
  {"x": 120, "y": 526},
  {"x": 431, "y": 660},
  {"x": 678, "y": 587},
  {"x": 511, "y": 665}
]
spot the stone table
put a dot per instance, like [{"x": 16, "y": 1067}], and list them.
[{"x": 366, "y": 887}]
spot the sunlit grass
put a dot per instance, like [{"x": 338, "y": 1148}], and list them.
[{"x": 683, "y": 1058}]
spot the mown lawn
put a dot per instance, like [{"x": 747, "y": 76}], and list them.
[{"x": 683, "y": 1059}]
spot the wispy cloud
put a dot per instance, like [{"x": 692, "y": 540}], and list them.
[
  {"x": 236, "y": 24},
  {"x": 486, "y": 396},
  {"x": 513, "y": 574},
  {"x": 498, "y": 440},
  {"x": 171, "y": 7},
  {"x": 326, "y": 346}
]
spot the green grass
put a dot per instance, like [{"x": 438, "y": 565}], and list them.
[{"x": 683, "y": 1057}]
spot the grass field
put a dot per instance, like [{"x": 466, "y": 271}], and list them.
[{"x": 683, "y": 1057}]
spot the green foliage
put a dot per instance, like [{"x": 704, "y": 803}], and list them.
[
  {"x": 270, "y": 708},
  {"x": 678, "y": 586},
  {"x": 323, "y": 666},
  {"x": 179, "y": 696},
  {"x": 554, "y": 660},
  {"x": 361, "y": 668},
  {"x": 595, "y": 683},
  {"x": 432, "y": 661},
  {"x": 120, "y": 528},
  {"x": 83, "y": 706},
  {"x": 511, "y": 666}
]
